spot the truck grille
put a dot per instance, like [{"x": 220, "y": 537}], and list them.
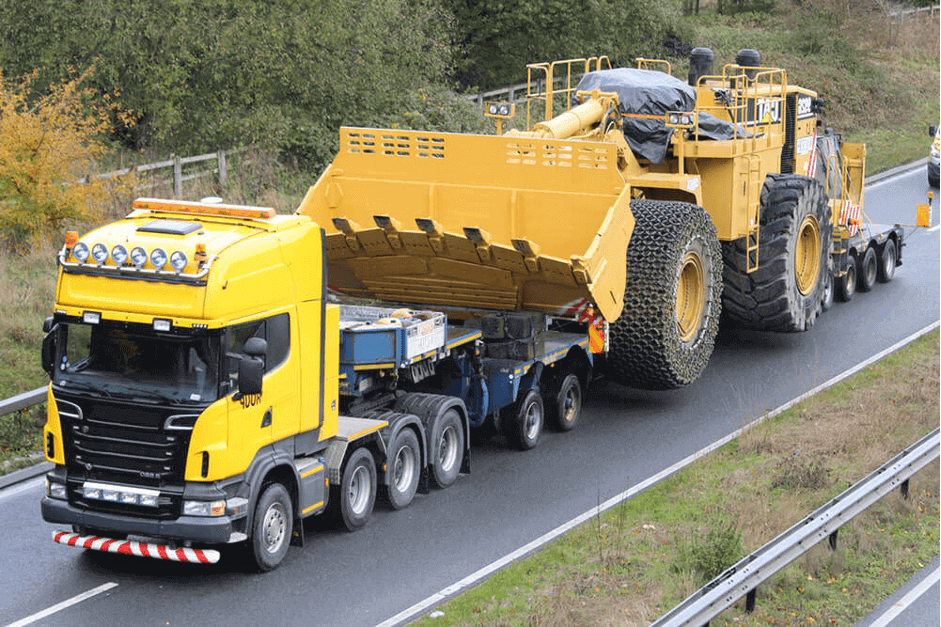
[{"x": 126, "y": 443}]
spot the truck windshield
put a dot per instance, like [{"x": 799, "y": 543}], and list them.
[{"x": 139, "y": 362}]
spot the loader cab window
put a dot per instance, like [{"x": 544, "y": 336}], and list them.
[{"x": 275, "y": 330}]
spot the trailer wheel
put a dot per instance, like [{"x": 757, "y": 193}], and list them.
[
  {"x": 565, "y": 403},
  {"x": 846, "y": 284},
  {"x": 888, "y": 261},
  {"x": 272, "y": 527},
  {"x": 404, "y": 471},
  {"x": 867, "y": 271},
  {"x": 524, "y": 420},
  {"x": 447, "y": 449},
  {"x": 666, "y": 333},
  {"x": 357, "y": 489},
  {"x": 828, "y": 291},
  {"x": 785, "y": 292}
]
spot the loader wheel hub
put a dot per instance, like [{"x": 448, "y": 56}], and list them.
[
  {"x": 807, "y": 255},
  {"x": 690, "y": 296}
]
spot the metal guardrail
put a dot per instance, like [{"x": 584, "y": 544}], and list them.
[
  {"x": 22, "y": 401},
  {"x": 743, "y": 579}
]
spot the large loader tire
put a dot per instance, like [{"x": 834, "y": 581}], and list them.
[
  {"x": 666, "y": 333},
  {"x": 786, "y": 292}
]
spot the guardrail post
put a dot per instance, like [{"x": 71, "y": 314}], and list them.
[
  {"x": 222, "y": 172},
  {"x": 750, "y": 600},
  {"x": 177, "y": 176},
  {"x": 831, "y": 539},
  {"x": 904, "y": 488}
]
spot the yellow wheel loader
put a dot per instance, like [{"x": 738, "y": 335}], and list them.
[{"x": 634, "y": 200}]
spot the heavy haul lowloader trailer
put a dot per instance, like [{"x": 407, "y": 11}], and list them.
[
  {"x": 205, "y": 392},
  {"x": 656, "y": 204}
]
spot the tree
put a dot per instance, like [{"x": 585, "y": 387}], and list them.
[{"x": 48, "y": 143}]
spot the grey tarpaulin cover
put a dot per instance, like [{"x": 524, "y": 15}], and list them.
[{"x": 649, "y": 92}]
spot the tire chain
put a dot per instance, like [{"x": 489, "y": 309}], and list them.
[{"x": 646, "y": 350}]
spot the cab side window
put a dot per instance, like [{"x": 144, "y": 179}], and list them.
[{"x": 276, "y": 331}]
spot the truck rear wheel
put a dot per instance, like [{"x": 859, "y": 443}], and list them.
[
  {"x": 524, "y": 420},
  {"x": 447, "y": 448},
  {"x": 887, "y": 261},
  {"x": 846, "y": 284},
  {"x": 867, "y": 271},
  {"x": 404, "y": 469},
  {"x": 565, "y": 403},
  {"x": 357, "y": 489},
  {"x": 785, "y": 293},
  {"x": 666, "y": 333},
  {"x": 272, "y": 527}
]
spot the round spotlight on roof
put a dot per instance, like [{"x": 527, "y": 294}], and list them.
[
  {"x": 119, "y": 254},
  {"x": 99, "y": 252},
  {"x": 81, "y": 252},
  {"x": 138, "y": 256},
  {"x": 178, "y": 260},
  {"x": 158, "y": 258}
]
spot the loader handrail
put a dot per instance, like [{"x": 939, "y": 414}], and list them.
[{"x": 548, "y": 73}]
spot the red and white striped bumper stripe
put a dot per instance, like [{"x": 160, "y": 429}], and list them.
[{"x": 140, "y": 549}]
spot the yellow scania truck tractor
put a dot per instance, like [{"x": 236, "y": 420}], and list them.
[{"x": 206, "y": 391}]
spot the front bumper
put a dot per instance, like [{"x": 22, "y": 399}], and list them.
[{"x": 209, "y": 530}]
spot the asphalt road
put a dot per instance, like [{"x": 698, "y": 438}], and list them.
[{"x": 509, "y": 499}]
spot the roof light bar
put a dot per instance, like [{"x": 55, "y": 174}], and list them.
[{"x": 203, "y": 208}]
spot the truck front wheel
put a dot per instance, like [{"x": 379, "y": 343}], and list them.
[{"x": 272, "y": 527}]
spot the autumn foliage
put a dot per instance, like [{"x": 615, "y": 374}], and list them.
[{"x": 49, "y": 146}]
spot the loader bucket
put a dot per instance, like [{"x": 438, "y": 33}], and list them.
[{"x": 475, "y": 221}]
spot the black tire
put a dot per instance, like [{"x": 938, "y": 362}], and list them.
[
  {"x": 404, "y": 469},
  {"x": 524, "y": 420},
  {"x": 447, "y": 448},
  {"x": 666, "y": 332},
  {"x": 356, "y": 494},
  {"x": 933, "y": 179},
  {"x": 785, "y": 293},
  {"x": 272, "y": 526},
  {"x": 828, "y": 292},
  {"x": 846, "y": 284},
  {"x": 564, "y": 403},
  {"x": 867, "y": 271},
  {"x": 887, "y": 261}
]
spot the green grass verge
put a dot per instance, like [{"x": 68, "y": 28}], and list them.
[{"x": 634, "y": 562}]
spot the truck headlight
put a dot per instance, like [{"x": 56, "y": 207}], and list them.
[
  {"x": 55, "y": 490},
  {"x": 204, "y": 508}
]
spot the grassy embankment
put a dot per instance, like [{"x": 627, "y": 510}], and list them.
[{"x": 631, "y": 564}]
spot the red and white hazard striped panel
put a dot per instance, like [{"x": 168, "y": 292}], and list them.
[
  {"x": 812, "y": 162},
  {"x": 140, "y": 549},
  {"x": 849, "y": 216}
]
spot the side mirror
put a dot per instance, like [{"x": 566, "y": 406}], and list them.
[
  {"x": 252, "y": 367},
  {"x": 251, "y": 372},
  {"x": 49, "y": 346}
]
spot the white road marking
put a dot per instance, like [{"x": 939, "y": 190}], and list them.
[
  {"x": 903, "y": 603},
  {"x": 481, "y": 574},
  {"x": 19, "y": 488},
  {"x": 61, "y": 606},
  {"x": 933, "y": 229}
]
